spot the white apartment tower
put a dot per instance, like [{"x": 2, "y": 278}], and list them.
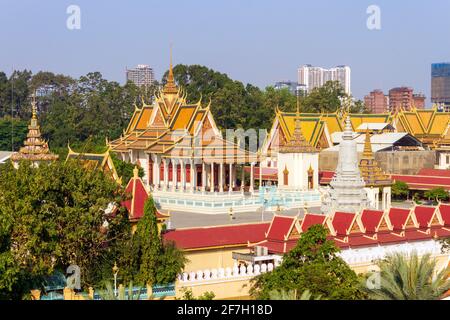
[
  {"x": 314, "y": 77},
  {"x": 142, "y": 75}
]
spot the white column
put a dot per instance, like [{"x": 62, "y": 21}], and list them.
[
  {"x": 230, "y": 176},
  {"x": 156, "y": 169},
  {"x": 183, "y": 175},
  {"x": 174, "y": 175},
  {"x": 212, "y": 187},
  {"x": 243, "y": 178},
  {"x": 252, "y": 166},
  {"x": 221, "y": 177},
  {"x": 203, "y": 176}
]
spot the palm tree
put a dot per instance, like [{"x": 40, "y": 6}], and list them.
[
  {"x": 291, "y": 295},
  {"x": 409, "y": 277}
]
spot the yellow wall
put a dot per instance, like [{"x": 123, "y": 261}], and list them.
[
  {"x": 212, "y": 258},
  {"x": 237, "y": 289}
]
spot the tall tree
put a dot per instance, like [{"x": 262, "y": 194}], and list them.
[{"x": 150, "y": 247}]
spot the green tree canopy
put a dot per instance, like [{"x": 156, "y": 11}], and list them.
[
  {"x": 437, "y": 194},
  {"x": 311, "y": 265},
  {"x": 54, "y": 216},
  {"x": 400, "y": 190}
]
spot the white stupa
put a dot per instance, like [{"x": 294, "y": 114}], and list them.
[{"x": 346, "y": 192}]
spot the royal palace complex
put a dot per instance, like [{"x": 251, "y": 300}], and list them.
[{"x": 343, "y": 165}]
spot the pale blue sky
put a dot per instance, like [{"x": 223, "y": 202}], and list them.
[{"x": 256, "y": 41}]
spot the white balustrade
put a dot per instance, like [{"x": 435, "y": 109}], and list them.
[
  {"x": 207, "y": 274},
  {"x": 242, "y": 271},
  {"x": 263, "y": 268}
]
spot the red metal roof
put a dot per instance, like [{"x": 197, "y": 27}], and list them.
[
  {"x": 398, "y": 217},
  {"x": 434, "y": 172},
  {"x": 311, "y": 219},
  {"x": 371, "y": 219},
  {"x": 418, "y": 182},
  {"x": 361, "y": 240},
  {"x": 139, "y": 195},
  {"x": 415, "y": 234},
  {"x": 424, "y": 215},
  {"x": 207, "y": 237},
  {"x": 444, "y": 209},
  {"x": 342, "y": 222},
  {"x": 280, "y": 227},
  {"x": 325, "y": 177},
  {"x": 138, "y": 198}
]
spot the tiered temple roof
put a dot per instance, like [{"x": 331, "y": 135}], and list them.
[
  {"x": 297, "y": 143},
  {"x": 35, "y": 148},
  {"x": 173, "y": 128},
  {"x": 429, "y": 126},
  {"x": 370, "y": 171}
]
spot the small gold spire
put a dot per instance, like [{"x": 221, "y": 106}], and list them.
[
  {"x": 367, "y": 154},
  {"x": 33, "y": 106},
  {"x": 135, "y": 172},
  {"x": 170, "y": 86}
]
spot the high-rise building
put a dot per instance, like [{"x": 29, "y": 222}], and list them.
[
  {"x": 404, "y": 98},
  {"x": 142, "y": 75},
  {"x": 440, "y": 84},
  {"x": 376, "y": 102},
  {"x": 315, "y": 77}
]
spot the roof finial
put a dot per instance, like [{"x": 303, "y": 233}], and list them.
[
  {"x": 170, "y": 86},
  {"x": 33, "y": 106},
  {"x": 135, "y": 172}
]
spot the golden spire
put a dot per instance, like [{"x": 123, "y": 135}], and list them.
[
  {"x": 170, "y": 86},
  {"x": 33, "y": 106},
  {"x": 297, "y": 143},
  {"x": 372, "y": 174},
  {"x": 367, "y": 154},
  {"x": 35, "y": 147}
]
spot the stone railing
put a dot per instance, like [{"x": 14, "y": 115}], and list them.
[{"x": 223, "y": 274}]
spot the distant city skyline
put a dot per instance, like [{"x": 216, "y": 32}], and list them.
[{"x": 239, "y": 38}]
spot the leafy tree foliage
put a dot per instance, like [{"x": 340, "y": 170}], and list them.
[
  {"x": 125, "y": 169},
  {"x": 400, "y": 190},
  {"x": 404, "y": 277},
  {"x": 53, "y": 216},
  {"x": 12, "y": 132},
  {"x": 312, "y": 265},
  {"x": 436, "y": 194}
]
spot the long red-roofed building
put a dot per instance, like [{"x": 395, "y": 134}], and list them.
[{"x": 360, "y": 236}]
